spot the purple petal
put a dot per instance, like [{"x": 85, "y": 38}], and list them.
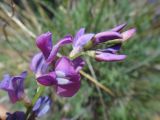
[
  {"x": 23, "y": 74},
  {"x": 38, "y": 64},
  {"x": 18, "y": 115},
  {"x": 13, "y": 96},
  {"x": 78, "y": 63},
  {"x": 105, "y": 36},
  {"x": 128, "y": 34},
  {"x": 54, "y": 51},
  {"x": 14, "y": 86},
  {"x": 47, "y": 79},
  {"x": 78, "y": 35},
  {"x": 66, "y": 66},
  {"x": 44, "y": 43},
  {"x": 109, "y": 57},
  {"x": 83, "y": 40},
  {"x": 6, "y": 83},
  {"x": 42, "y": 106},
  {"x": 36, "y": 60},
  {"x": 80, "y": 43},
  {"x": 18, "y": 84},
  {"x": 68, "y": 83},
  {"x": 118, "y": 28},
  {"x": 68, "y": 90},
  {"x": 112, "y": 49}
]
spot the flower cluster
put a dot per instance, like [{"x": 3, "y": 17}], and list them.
[
  {"x": 113, "y": 38},
  {"x": 63, "y": 72},
  {"x": 60, "y": 73}
]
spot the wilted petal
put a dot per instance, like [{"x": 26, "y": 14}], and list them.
[
  {"x": 18, "y": 115},
  {"x": 78, "y": 35},
  {"x": 78, "y": 63},
  {"x": 42, "y": 106},
  {"x": 105, "y": 36},
  {"x": 55, "y": 49},
  {"x": 47, "y": 79},
  {"x": 109, "y": 57},
  {"x": 128, "y": 34},
  {"x": 118, "y": 28},
  {"x": 44, "y": 43}
]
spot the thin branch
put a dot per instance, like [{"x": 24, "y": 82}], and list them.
[
  {"x": 6, "y": 36},
  {"x": 90, "y": 78}
]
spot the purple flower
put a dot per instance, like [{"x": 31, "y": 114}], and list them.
[
  {"x": 49, "y": 51},
  {"x": 128, "y": 34},
  {"x": 84, "y": 41},
  {"x": 114, "y": 33},
  {"x": 14, "y": 86},
  {"x": 18, "y": 115},
  {"x": 109, "y": 54},
  {"x": 41, "y": 61},
  {"x": 106, "y": 36},
  {"x": 41, "y": 106},
  {"x": 109, "y": 57},
  {"x": 118, "y": 28},
  {"x": 62, "y": 74},
  {"x": 65, "y": 78},
  {"x": 80, "y": 40}
]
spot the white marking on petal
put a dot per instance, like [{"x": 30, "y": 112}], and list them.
[
  {"x": 62, "y": 81},
  {"x": 60, "y": 74}
]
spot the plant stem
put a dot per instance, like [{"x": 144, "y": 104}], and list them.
[
  {"x": 40, "y": 90},
  {"x": 107, "y": 90}
]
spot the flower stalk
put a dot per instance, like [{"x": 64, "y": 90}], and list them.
[
  {"x": 39, "y": 92},
  {"x": 90, "y": 78}
]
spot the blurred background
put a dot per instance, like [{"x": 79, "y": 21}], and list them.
[{"x": 135, "y": 81}]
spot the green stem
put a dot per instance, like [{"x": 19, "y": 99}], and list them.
[{"x": 38, "y": 94}]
